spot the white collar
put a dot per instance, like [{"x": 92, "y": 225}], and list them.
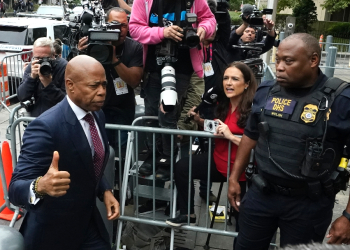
[{"x": 79, "y": 112}]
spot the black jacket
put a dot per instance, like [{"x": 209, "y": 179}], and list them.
[
  {"x": 239, "y": 54},
  {"x": 45, "y": 98}
]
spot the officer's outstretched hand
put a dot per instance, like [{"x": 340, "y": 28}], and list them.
[
  {"x": 340, "y": 231},
  {"x": 234, "y": 194},
  {"x": 54, "y": 182}
]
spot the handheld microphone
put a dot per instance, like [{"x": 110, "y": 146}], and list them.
[
  {"x": 208, "y": 98},
  {"x": 247, "y": 9},
  {"x": 87, "y": 18}
]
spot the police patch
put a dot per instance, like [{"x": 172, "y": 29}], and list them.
[
  {"x": 309, "y": 113},
  {"x": 279, "y": 107}
]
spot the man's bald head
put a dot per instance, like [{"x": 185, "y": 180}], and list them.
[
  {"x": 310, "y": 43},
  {"x": 80, "y": 66},
  {"x": 297, "y": 61},
  {"x": 86, "y": 82}
]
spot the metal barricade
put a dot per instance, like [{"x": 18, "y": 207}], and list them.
[
  {"x": 132, "y": 154},
  {"x": 7, "y": 203},
  {"x": 268, "y": 73},
  {"x": 12, "y": 69},
  {"x": 132, "y": 160}
]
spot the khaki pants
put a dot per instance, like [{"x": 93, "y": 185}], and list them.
[{"x": 193, "y": 98}]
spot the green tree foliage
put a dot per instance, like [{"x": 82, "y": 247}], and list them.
[
  {"x": 340, "y": 30},
  {"x": 305, "y": 13},
  {"x": 285, "y": 4},
  {"x": 236, "y": 4},
  {"x": 335, "y": 5}
]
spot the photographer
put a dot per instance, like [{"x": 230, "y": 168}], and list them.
[
  {"x": 109, "y": 4},
  {"x": 214, "y": 51},
  {"x": 238, "y": 89},
  {"x": 147, "y": 29},
  {"x": 245, "y": 34},
  {"x": 123, "y": 76},
  {"x": 58, "y": 48},
  {"x": 43, "y": 79}
]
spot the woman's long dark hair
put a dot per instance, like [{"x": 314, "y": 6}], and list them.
[{"x": 245, "y": 105}]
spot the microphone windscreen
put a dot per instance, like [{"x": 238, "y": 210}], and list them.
[
  {"x": 85, "y": 29},
  {"x": 247, "y": 9},
  {"x": 210, "y": 97},
  {"x": 86, "y": 18}
]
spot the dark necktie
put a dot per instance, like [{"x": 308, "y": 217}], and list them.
[{"x": 98, "y": 148}]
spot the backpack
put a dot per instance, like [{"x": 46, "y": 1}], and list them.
[{"x": 137, "y": 236}]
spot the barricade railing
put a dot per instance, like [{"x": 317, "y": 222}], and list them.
[
  {"x": 341, "y": 59},
  {"x": 268, "y": 73},
  {"x": 132, "y": 157},
  {"x": 12, "y": 68},
  {"x": 7, "y": 203},
  {"x": 14, "y": 114},
  {"x": 130, "y": 163}
]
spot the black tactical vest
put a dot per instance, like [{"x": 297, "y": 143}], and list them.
[{"x": 292, "y": 141}]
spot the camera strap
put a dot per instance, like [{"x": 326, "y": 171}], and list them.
[
  {"x": 178, "y": 12},
  {"x": 160, "y": 13}
]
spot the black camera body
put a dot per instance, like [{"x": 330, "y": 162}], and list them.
[
  {"x": 100, "y": 39},
  {"x": 166, "y": 52},
  {"x": 190, "y": 38},
  {"x": 46, "y": 65},
  {"x": 255, "y": 15},
  {"x": 252, "y": 52},
  {"x": 92, "y": 23}
]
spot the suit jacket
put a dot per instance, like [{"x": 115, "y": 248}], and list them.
[{"x": 59, "y": 223}]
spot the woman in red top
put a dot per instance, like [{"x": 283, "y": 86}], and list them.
[{"x": 239, "y": 86}]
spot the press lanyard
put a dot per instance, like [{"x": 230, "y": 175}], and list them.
[{"x": 210, "y": 53}]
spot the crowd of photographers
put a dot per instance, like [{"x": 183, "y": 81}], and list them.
[
  {"x": 190, "y": 48},
  {"x": 176, "y": 59},
  {"x": 195, "y": 53}
]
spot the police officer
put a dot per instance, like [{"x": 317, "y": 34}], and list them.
[{"x": 299, "y": 125}]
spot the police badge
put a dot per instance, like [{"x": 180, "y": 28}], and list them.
[{"x": 309, "y": 113}]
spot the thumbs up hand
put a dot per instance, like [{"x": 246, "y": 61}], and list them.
[{"x": 54, "y": 182}]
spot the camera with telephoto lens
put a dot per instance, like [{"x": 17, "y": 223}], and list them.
[
  {"x": 210, "y": 125},
  {"x": 46, "y": 65},
  {"x": 167, "y": 54},
  {"x": 101, "y": 35},
  {"x": 254, "y": 15}
]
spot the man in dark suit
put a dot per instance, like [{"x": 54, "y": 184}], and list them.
[{"x": 60, "y": 168}]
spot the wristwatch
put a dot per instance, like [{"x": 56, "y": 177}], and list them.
[{"x": 346, "y": 215}]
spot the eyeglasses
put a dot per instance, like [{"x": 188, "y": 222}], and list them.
[{"x": 39, "y": 58}]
